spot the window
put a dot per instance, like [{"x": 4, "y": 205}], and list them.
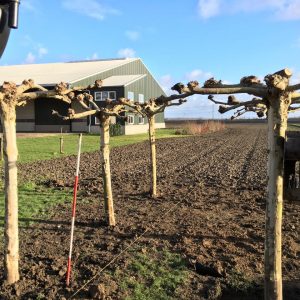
[
  {"x": 130, "y": 96},
  {"x": 112, "y": 95},
  {"x": 102, "y": 96},
  {"x": 141, "y": 98},
  {"x": 141, "y": 120},
  {"x": 97, "y": 121},
  {"x": 130, "y": 119}
]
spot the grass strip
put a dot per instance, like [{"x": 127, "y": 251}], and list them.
[
  {"x": 155, "y": 275},
  {"x": 43, "y": 148},
  {"x": 35, "y": 201}
]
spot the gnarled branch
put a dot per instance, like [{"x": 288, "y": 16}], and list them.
[
  {"x": 72, "y": 115},
  {"x": 28, "y": 85}
]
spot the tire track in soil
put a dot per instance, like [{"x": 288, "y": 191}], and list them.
[
  {"x": 226, "y": 154},
  {"x": 248, "y": 160}
]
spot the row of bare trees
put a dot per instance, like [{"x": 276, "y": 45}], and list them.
[
  {"x": 13, "y": 96},
  {"x": 273, "y": 99}
]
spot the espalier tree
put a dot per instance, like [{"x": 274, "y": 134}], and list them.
[
  {"x": 12, "y": 96},
  {"x": 103, "y": 114},
  {"x": 148, "y": 110},
  {"x": 274, "y": 99}
]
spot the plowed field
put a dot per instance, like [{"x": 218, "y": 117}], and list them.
[{"x": 210, "y": 211}]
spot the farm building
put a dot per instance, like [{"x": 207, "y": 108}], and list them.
[{"x": 128, "y": 78}]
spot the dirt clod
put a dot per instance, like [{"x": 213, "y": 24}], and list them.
[{"x": 97, "y": 292}]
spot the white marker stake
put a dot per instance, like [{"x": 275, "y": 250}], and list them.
[{"x": 74, "y": 210}]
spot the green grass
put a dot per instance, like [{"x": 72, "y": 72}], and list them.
[
  {"x": 42, "y": 148},
  {"x": 155, "y": 276},
  {"x": 239, "y": 282},
  {"x": 35, "y": 201}
]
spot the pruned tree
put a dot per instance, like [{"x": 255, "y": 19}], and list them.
[
  {"x": 274, "y": 99},
  {"x": 149, "y": 109},
  {"x": 12, "y": 96},
  {"x": 104, "y": 114}
]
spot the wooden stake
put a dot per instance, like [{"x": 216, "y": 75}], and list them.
[
  {"x": 11, "y": 231},
  {"x": 277, "y": 124},
  {"x": 61, "y": 139},
  {"x": 153, "y": 189},
  {"x": 105, "y": 152}
]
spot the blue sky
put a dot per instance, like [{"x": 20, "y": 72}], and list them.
[{"x": 178, "y": 40}]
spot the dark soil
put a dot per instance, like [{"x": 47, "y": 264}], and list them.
[{"x": 210, "y": 210}]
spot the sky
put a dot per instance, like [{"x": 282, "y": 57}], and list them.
[{"x": 178, "y": 40}]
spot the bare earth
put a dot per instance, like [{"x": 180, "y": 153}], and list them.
[{"x": 210, "y": 211}]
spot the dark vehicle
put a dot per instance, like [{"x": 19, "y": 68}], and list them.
[{"x": 9, "y": 12}]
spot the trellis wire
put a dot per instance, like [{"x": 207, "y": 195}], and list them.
[{"x": 124, "y": 250}]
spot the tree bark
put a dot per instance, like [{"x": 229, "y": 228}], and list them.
[
  {"x": 151, "y": 121},
  {"x": 11, "y": 231},
  {"x": 108, "y": 198},
  {"x": 277, "y": 124}
]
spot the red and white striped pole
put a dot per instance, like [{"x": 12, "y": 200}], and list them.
[{"x": 74, "y": 210}]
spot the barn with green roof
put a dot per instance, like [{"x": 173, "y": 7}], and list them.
[{"x": 127, "y": 77}]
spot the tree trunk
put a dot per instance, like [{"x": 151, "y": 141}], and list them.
[
  {"x": 108, "y": 198},
  {"x": 11, "y": 234},
  {"x": 277, "y": 124},
  {"x": 151, "y": 121}
]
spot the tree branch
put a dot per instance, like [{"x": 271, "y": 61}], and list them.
[
  {"x": 252, "y": 103},
  {"x": 43, "y": 94},
  {"x": 193, "y": 88},
  {"x": 295, "y": 96},
  {"x": 211, "y": 98},
  {"x": 134, "y": 106},
  {"x": 293, "y": 109},
  {"x": 28, "y": 85},
  {"x": 294, "y": 87},
  {"x": 94, "y": 105},
  {"x": 72, "y": 115}
]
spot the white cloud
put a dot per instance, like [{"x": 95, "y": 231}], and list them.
[
  {"x": 42, "y": 51},
  {"x": 291, "y": 11},
  {"x": 132, "y": 35},
  {"x": 36, "y": 50},
  {"x": 126, "y": 52},
  {"x": 280, "y": 9},
  {"x": 208, "y": 8},
  {"x": 30, "y": 58},
  {"x": 93, "y": 57},
  {"x": 196, "y": 107},
  {"x": 91, "y": 8},
  {"x": 166, "y": 82},
  {"x": 198, "y": 74}
]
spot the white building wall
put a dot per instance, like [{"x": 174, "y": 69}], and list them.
[{"x": 135, "y": 129}]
